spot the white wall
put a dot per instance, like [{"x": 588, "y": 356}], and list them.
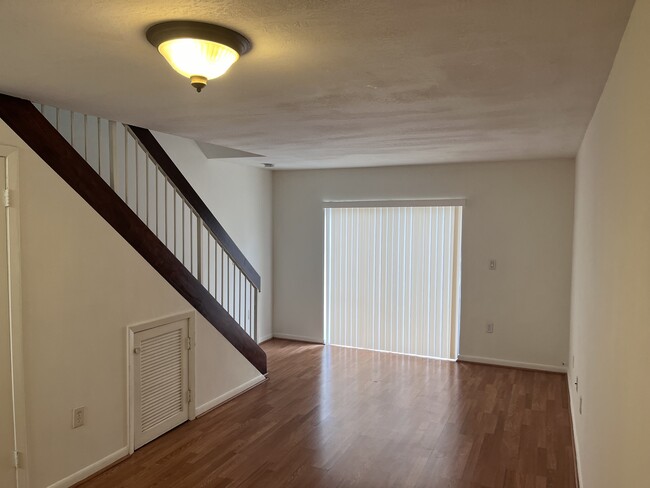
[
  {"x": 239, "y": 196},
  {"x": 82, "y": 286},
  {"x": 519, "y": 213},
  {"x": 610, "y": 319}
]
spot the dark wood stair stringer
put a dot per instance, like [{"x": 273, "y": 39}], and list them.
[{"x": 35, "y": 130}]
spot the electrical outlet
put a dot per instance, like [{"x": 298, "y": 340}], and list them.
[
  {"x": 490, "y": 328},
  {"x": 493, "y": 264},
  {"x": 78, "y": 417}
]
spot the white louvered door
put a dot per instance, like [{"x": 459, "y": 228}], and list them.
[{"x": 160, "y": 380}]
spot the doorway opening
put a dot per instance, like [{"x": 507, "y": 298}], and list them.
[
  {"x": 7, "y": 470},
  {"x": 392, "y": 277},
  {"x": 13, "y": 424}
]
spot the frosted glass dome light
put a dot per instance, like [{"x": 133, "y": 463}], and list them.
[{"x": 197, "y": 50}]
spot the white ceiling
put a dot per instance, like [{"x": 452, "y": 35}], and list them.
[{"x": 333, "y": 83}]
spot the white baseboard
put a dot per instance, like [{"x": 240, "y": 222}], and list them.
[
  {"x": 513, "y": 364},
  {"x": 229, "y": 395},
  {"x": 265, "y": 338},
  {"x": 291, "y": 337},
  {"x": 91, "y": 469},
  {"x": 576, "y": 444}
]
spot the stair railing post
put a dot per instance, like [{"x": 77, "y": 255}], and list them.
[
  {"x": 255, "y": 317},
  {"x": 199, "y": 243},
  {"x": 112, "y": 144}
]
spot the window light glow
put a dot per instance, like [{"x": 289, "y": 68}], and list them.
[{"x": 392, "y": 279}]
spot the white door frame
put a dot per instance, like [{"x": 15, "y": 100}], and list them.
[
  {"x": 10, "y": 154},
  {"x": 130, "y": 344}
]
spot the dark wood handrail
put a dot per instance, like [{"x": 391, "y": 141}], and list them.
[
  {"x": 33, "y": 128},
  {"x": 159, "y": 155}
]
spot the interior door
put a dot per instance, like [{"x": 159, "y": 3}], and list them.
[
  {"x": 7, "y": 471},
  {"x": 160, "y": 380}
]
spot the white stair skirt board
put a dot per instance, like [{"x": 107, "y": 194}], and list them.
[
  {"x": 512, "y": 364},
  {"x": 292, "y": 337},
  {"x": 229, "y": 395},
  {"x": 161, "y": 384},
  {"x": 84, "y": 473}
]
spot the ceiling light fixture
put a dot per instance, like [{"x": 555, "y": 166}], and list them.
[{"x": 197, "y": 50}]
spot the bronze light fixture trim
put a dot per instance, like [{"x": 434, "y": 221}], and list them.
[{"x": 198, "y": 50}]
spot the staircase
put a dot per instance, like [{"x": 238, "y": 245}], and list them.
[{"x": 126, "y": 176}]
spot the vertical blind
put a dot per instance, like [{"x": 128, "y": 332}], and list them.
[{"x": 392, "y": 277}]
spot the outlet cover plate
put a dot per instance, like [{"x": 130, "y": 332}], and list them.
[{"x": 78, "y": 417}]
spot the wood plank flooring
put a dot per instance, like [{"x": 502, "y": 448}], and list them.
[{"x": 337, "y": 417}]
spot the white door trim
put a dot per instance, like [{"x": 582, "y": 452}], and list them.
[
  {"x": 10, "y": 153},
  {"x": 130, "y": 394}
]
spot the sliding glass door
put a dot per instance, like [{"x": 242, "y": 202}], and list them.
[{"x": 392, "y": 278}]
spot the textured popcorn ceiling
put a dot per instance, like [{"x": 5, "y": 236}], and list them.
[{"x": 333, "y": 83}]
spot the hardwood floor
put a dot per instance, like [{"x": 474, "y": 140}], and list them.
[{"x": 337, "y": 417}]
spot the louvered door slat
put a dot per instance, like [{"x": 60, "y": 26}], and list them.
[{"x": 161, "y": 380}]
